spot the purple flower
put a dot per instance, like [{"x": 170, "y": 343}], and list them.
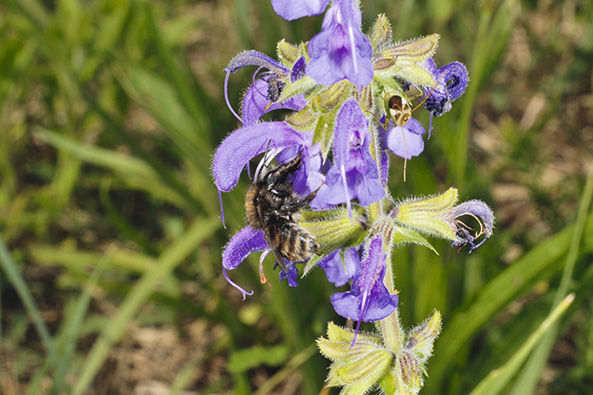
[
  {"x": 341, "y": 50},
  {"x": 451, "y": 83},
  {"x": 404, "y": 141},
  {"x": 340, "y": 272},
  {"x": 243, "y": 244},
  {"x": 291, "y": 10},
  {"x": 354, "y": 174},
  {"x": 481, "y": 213},
  {"x": 368, "y": 298}
]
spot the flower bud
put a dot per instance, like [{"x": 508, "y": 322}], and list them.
[
  {"x": 426, "y": 215},
  {"x": 380, "y": 32}
]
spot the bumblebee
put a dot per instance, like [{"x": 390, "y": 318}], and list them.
[{"x": 272, "y": 205}]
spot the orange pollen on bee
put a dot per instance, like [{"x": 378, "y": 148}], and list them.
[{"x": 262, "y": 276}]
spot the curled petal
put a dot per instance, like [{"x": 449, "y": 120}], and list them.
[
  {"x": 456, "y": 79},
  {"x": 233, "y": 154},
  {"x": 251, "y": 58},
  {"x": 483, "y": 215},
  {"x": 291, "y": 10},
  {"x": 452, "y": 81},
  {"x": 245, "y": 242},
  {"x": 255, "y": 58},
  {"x": 256, "y": 103}
]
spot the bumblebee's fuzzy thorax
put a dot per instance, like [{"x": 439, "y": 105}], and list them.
[{"x": 272, "y": 205}]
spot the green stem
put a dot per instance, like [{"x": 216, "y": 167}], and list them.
[{"x": 390, "y": 327}]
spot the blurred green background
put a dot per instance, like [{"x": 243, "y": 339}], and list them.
[{"x": 110, "y": 246}]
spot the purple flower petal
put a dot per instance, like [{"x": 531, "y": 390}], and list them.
[
  {"x": 451, "y": 83},
  {"x": 384, "y": 167},
  {"x": 256, "y": 103},
  {"x": 241, "y": 245},
  {"x": 255, "y": 58},
  {"x": 354, "y": 173},
  {"x": 243, "y": 144},
  {"x": 339, "y": 272},
  {"x": 298, "y": 69},
  {"x": 245, "y": 242},
  {"x": 404, "y": 141},
  {"x": 290, "y": 274},
  {"x": 481, "y": 213},
  {"x": 341, "y": 51},
  {"x": 368, "y": 298},
  {"x": 291, "y": 10}
]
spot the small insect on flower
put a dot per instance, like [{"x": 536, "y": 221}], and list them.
[
  {"x": 272, "y": 205},
  {"x": 397, "y": 104},
  {"x": 399, "y": 109},
  {"x": 275, "y": 88}
]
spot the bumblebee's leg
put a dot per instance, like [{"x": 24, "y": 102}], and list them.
[{"x": 312, "y": 195}]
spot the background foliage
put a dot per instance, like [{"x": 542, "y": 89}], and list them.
[{"x": 110, "y": 238}]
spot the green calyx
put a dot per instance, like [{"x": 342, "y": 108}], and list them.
[
  {"x": 428, "y": 215},
  {"x": 334, "y": 229}
]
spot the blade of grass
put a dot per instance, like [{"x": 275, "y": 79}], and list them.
[
  {"x": 158, "y": 96},
  {"x": 121, "y": 223},
  {"x": 495, "y": 382},
  {"x": 529, "y": 377},
  {"x": 201, "y": 229},
  {"x": 12, "y": 273},
  {"x": 187, "y": 372},
  {"x": 68, "y": 337}
]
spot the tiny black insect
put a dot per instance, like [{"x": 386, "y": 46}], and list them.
[
  {"x": 272, "y": 205},
  {"x": 275, "y": 88}
]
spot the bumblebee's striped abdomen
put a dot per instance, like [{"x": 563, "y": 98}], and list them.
[{"x": 293, "y": 242}]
